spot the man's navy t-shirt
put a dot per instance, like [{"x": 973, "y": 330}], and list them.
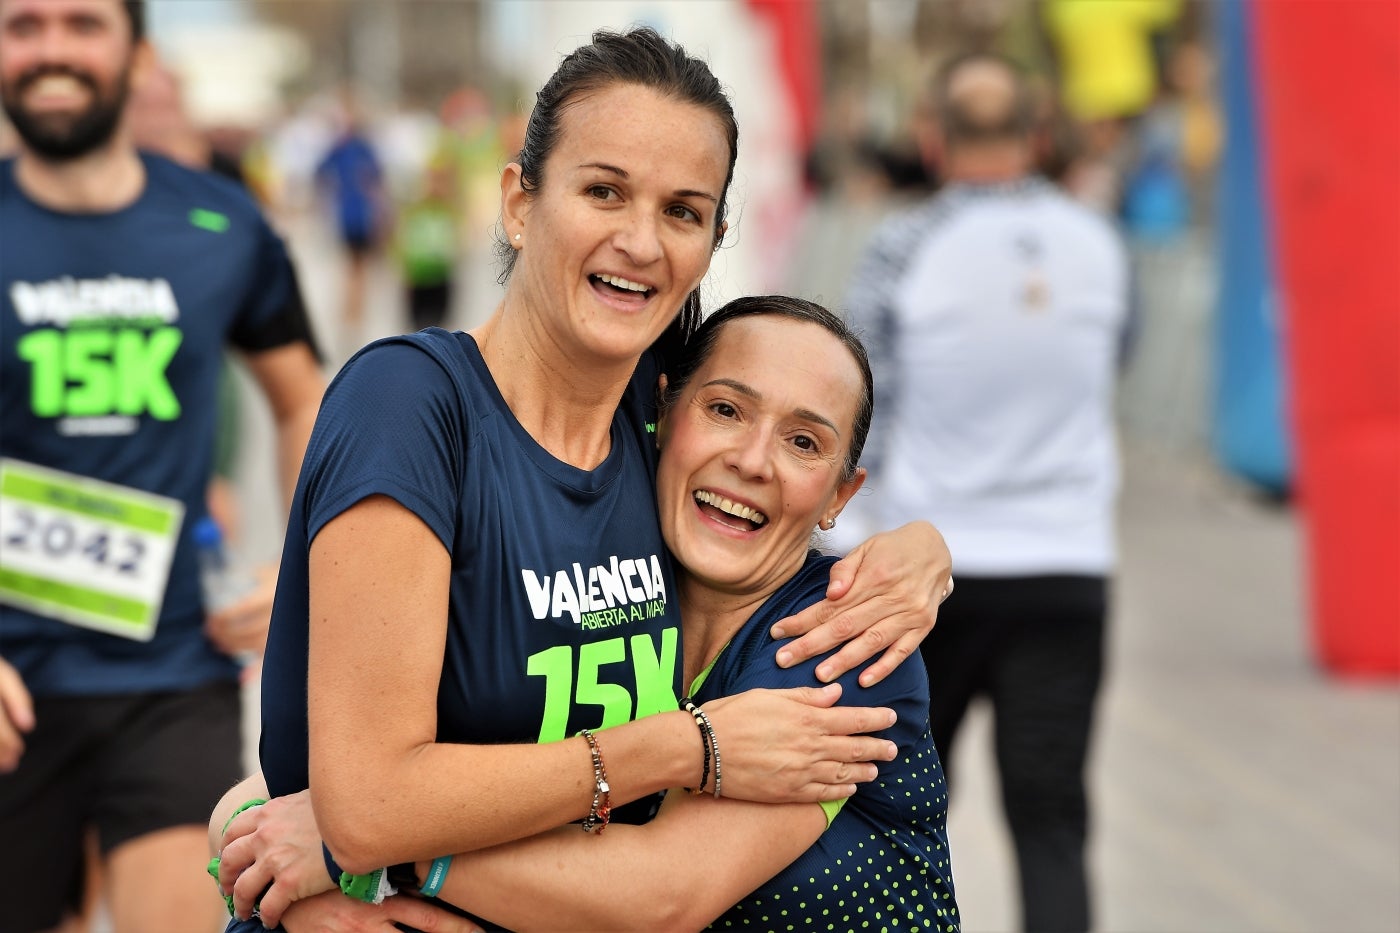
[{"x": 112, "y": 333}]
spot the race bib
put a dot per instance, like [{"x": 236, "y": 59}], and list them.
[{"x": 83, "y": 551}]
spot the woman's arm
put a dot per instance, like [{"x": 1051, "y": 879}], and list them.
[
  {"x": 385, "y": 791},
  {"x": 693, "y": 862},
  {"x": 883, "y": 595}
]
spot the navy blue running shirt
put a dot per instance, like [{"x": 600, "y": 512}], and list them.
[
  {"x": 562, "y": 612},
  {"x": 112, "y": 332},
  {"x": 883, "y": 863}
]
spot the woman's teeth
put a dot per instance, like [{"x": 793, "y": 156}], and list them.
[
  {"x": 729, "y": 507},
  {"x": 617, "y": 281}
]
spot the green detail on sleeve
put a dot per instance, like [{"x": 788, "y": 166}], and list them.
[
  {"x": 209, "y": 220},
  {"x": 831, "y": 808}
]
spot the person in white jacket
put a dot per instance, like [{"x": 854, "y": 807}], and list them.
[{"x": 995, "y": 313}]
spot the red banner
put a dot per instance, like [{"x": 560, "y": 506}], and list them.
[
  {"x": 798, "y": 35},
  {"x": 1329, "y": 85}
]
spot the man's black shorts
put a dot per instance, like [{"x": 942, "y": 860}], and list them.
[{"x": 124, "y": 765}]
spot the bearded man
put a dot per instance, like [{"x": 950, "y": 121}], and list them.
[{"x": 123, "y": 276}]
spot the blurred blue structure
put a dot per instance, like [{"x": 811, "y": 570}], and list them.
[{"x": 1249, "y": 431}]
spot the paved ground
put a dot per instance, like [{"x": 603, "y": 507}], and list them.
[{"x": 1237, "y": 787}]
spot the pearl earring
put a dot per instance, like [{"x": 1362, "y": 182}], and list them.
[{"x": 517, "y": 237}]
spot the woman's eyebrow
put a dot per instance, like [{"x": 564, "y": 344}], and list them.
[
  {"x": 622, "y": 173},
  {"x": 743, "y": 388}
]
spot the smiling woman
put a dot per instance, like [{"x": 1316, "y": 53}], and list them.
[
  {"x": 755, "y": 459},
  {"x": 629, "y": 214}
]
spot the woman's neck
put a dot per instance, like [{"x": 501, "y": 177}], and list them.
[
  {"x": 710, "y": 620},
  {"x": 566, "y": 407}
]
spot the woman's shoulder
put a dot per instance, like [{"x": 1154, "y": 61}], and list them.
[
  {"x": 414, "y": 362},
  {"x": 751, "y": 657},
  {"x": 803, "y": 589},
  {"x": 806, "y": 587},
  {"x": 402, "y": 385}
]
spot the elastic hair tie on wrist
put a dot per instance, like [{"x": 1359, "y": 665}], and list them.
[
  {"x": 372, "y": 887},
  {"x": 246, "y": 805},
  {"x": 213, "y": 867}
]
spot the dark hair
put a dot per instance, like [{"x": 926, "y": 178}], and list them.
[
  {"x": 680, "y": 371},
  {"x": 960, "y": 125},
  {"x": 642, "y": 57},
  {"x": 136, "y": 14}
]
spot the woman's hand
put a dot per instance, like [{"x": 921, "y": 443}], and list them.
[
  {"x": 883, "y": 594},
  {"x": 794, "y": 746},
  {"x": 271, "y": 856},
  {"x": 336, "y": 913}
]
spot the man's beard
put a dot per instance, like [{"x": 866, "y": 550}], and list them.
[{"x": 61, "y": 137}]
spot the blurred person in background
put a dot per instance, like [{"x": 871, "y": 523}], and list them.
[
  {"x": 124, "y": 277},
  {"x": 1108, "y": 58},
  {"x": 856, "y": 183},
  {"x": 994, "y": 314},
  {"x": 1178, "y": 143},
  {"x": 426, "y": 241},
  {"x": 351, "y": 176},
  {"x": 158, "y": 121}
]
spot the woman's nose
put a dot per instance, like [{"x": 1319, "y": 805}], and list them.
[
  {"x": 639, "y": 238},
  {"x": 751, "y": 455}
]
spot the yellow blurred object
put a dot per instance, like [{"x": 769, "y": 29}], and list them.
[
  {"x": 1106, "y": 54},
  {"x": 1202, "y": 136}
]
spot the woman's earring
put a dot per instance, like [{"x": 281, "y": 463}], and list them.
[
  {"x": 517, "y": 238},
  {"x": 827, "y": 525}
]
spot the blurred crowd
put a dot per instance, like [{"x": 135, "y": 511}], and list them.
[{"x": 1126, "y": 103}]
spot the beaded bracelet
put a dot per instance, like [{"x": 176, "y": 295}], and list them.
[
  {"x": 689, "y": 706},
  {"x": 601, "y": 809},
  {"x": 711, "y": 743},
  {"x": 714, "y": 748}
]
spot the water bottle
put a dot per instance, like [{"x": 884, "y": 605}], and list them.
[{"x": 221, "y": 579}]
